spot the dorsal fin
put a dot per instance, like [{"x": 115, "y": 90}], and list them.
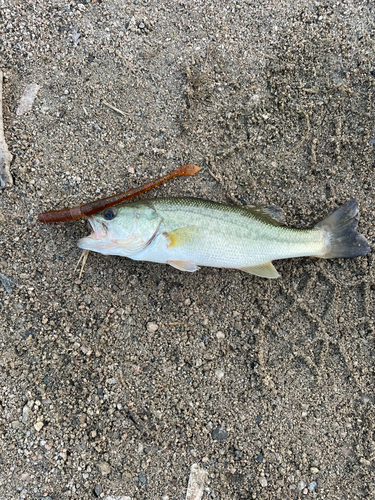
[{"x": 268, "y": 214}]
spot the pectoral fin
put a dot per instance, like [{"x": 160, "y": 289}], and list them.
[
  {"x": 265, "y": 270},
  {"x": 180, "y": 236},
  {"x": 184, "y": 265}
]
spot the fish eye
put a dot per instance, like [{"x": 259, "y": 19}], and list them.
[{"x": 109, "y": 214}]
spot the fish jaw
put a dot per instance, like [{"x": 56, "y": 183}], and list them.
[
  {"x": 106, "y": 247},
  {"x": 99, "y": 240}
]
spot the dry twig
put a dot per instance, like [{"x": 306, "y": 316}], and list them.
[
  {"x": 84, "y": 256},
  {"x": 119, "y": 111},
  {"x": 6, "y": 179}
]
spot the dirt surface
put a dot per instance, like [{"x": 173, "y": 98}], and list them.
[{"x": 114, "y": 384}]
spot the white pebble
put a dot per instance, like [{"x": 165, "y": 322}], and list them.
[
  {"x": 25, "y": 413},
  {"x": 301, "y": 485},
  {"x": 220, "y": 335},
  {"x": 263, "y": 481},
  {"x": 27, "y": 99},
  {"x": 152, "y": 327},
  {"x": 38, "y": 426},
  {"x": 104, "y": 468}
]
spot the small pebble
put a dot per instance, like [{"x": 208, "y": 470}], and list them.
[
  {"x": 38, "y": 426},
  {"x": 364, "y": 461},
  {"x": 219, "y": 434},
  {"x": 25, "y": 413},
  {"x": 219, "y": 373},
  {"x": 152, "y": 327},
  {"x": 301, "y": 485},
  {"x": 220, "y": 335},
  {"x": 117, "y": 498},
  {"x": 312, "y": 486},
  {"x": 27, "y": 99},
  {"x": 97, "y": 490},
  {"x": 263, "y": 481},
  {"x": 104, "y": 468}
]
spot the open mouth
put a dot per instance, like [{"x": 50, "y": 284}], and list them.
[
  {"x": 98, "y": 240},
  {"x": 100, "y": 230}
]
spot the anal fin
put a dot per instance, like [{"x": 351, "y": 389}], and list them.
[
  {"x": 265, "y": 270},
  {"x": 184, "y": 265}
]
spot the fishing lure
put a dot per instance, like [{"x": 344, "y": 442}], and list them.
[{"x": 80, "y": 211}]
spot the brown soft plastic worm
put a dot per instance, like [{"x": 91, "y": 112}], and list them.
[{"x": 80, "y": 211}]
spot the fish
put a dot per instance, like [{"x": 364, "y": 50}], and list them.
[{"x": 188, "y": 233}]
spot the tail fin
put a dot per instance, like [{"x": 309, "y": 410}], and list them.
[{"x": 341, "y": 237}]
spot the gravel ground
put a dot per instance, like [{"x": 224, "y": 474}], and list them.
[{"x": 114, "y": 384}]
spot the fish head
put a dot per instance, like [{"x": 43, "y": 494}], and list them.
[{"x": 124, "y": 230}]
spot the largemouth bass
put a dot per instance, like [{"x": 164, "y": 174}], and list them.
[{"x": 187, "y": 233}]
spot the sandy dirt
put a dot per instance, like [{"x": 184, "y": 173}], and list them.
[{"x": 267, "y": 385}]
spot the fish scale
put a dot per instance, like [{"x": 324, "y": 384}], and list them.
[{"x": 231, "y": 236}]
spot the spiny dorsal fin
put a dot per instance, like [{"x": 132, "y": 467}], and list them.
[
  {"x": 269, "y": 215},
  {"x": 265, "y": 270}
]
